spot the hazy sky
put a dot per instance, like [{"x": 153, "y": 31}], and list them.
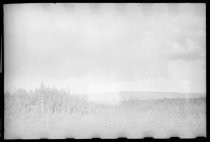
[{"x": 106, "y": 47}]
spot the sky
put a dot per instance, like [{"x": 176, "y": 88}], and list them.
[{"x": 97, "y": 48}]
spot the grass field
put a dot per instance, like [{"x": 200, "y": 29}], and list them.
[{"x": 48, "y": 113}]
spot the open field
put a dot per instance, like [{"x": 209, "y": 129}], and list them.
[{"x": 54, "y": 114}]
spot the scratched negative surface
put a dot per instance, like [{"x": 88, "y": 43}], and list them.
[{"x": 104, "y": 71}]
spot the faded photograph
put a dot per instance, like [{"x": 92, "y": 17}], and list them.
[{"x": 85, "y": 71}]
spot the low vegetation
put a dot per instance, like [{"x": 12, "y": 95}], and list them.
[{"x": 28, "y": 113}]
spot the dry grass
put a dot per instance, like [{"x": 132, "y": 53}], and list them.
[{"x": 55, "y": 113}]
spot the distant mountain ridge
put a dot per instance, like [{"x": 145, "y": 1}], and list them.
[
  {"x": 126, "y": 95},
  {"x": 144, "y": 95}
]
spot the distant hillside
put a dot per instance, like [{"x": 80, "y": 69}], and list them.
[{"x": 129, "y": 95}]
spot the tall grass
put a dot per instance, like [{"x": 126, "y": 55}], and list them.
[
  {"x": 45, "y": 100},
  {"x": 52, "y": 110}
]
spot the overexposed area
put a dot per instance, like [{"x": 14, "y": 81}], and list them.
[{"x": 104, "y": 70}]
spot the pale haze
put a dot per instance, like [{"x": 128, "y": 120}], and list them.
[{"x": 98, "y": 48}]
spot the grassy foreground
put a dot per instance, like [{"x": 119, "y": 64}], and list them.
[{"x": 52, "y": 113}]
